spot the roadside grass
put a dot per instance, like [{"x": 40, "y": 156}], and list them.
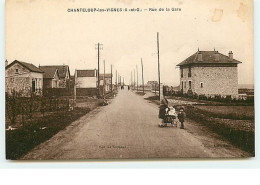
[
  {"x": 238, "y": 129},
  {"x": 25, "y": 138},
  {"x": 153, "y": 98},
  {"x": 211, "y": 102},
  {"x": 229, "y": 112}
]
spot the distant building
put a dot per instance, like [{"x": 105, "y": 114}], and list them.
[
  {"x": 209, "y": 73},
  {"x": 86, "y": 82},
  {"x": 24, "y": 78},
  {"x": 108, "y": 81},
  {"x": 51, "y": 77},
  {"x": 64, "y": 74},
  {"x": 153, "y": 85}
]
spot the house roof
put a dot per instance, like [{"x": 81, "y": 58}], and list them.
[
  {"x": 86, "y": 73},
  {"x": 208, "y": 57},
  {"x": 28, "y": 66},
  {"x": 61, "y": 68},
  {"x": 49, "y": 71}
]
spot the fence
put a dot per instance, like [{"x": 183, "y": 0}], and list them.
[{"x": 26, "y": 108}]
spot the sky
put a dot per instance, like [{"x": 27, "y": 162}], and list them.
[{"x": 43, "y": 32}]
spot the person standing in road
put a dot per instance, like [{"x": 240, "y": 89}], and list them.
[{"x": 181, "y": 117}]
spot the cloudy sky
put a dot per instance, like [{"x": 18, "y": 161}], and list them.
[{"x": 45, "y": 33}]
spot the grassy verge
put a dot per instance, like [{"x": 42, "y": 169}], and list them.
[
  {"x": 238, "y": 131},
  {"x": 25, "y": 138},
  {"x": 229, "y": 112}
]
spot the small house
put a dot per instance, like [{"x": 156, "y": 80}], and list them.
[
  {"x": 64, "y": 74},
  {"x": 51, "y": 77},
  {"x": 86, "y": 82},
  {"x": 24, "y": 78}
]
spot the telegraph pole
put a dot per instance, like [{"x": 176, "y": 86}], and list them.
[
  {"x": 137, "y": 77},
  {"x": 116, "y": 78},
  {"x": 131, "y": 79},
  {"x": 104, "y": 78},
  {"x": 142, "y": 73},
  {"x": 158, "y": 65},
  {"x": 111, "y": 78},
  {"x": 134, "y": 78},
  {"x": 98, "y": 84}
]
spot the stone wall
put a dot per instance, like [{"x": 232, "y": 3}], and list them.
[
  {"x": 21, "y": 85},
  {"x": 216, "y": 80},
  {"x": 19, "y": 79}
]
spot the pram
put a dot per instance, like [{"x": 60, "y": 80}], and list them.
[{"x": 169, "y": 117}]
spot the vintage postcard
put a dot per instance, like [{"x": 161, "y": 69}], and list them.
[{"x": 129, "y": 79}]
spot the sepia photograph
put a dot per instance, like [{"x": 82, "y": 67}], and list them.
[{"x": 129, "y": 80}]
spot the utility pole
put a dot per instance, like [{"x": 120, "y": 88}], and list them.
[
  {"x": 111, "y": 78},
  {"x": 131, "y": 79},
  {"x": 134, "y": 78},
  {"x": 142, "y": 73},
  {"x": 116, "y": 79},
  {"x": 158, "y": 65},
  {"x": 98, "y": 84},
  {"x": 123, "y": 80},
  {"x": 104, "y": 78},
  {"x": 137, "y": 77},
  {"x": 75, "y": 87}
]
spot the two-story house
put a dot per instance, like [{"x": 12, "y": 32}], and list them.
[{"x": 209, "y": 73}]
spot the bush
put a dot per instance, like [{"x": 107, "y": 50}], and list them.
[
  {"x": 13, "y": 105},
  {"x": 239, "y": 137},
  {"x": 22, "y": 140}
]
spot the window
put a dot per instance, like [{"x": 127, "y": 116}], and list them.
[
  {"x": 185, "y": 84},
  {"x": 201, "y": 84},
  {"x": 181, "y": 73},
  {"x": 33, "y": 85},
  {"x": 16, "y": 71},
  {"x": 189, "y": 74},
  {"x": 189, "y": 84}
]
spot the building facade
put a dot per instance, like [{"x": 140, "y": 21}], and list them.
[
  {"x": 51, "y": 78},
  {"x": 23, "y": 78},
  {"x": 85, "y": 82},
  {"x": 209, "y": 73},
  {"x": 64, "y": 74},
  {"x": 108, "y": 82}
]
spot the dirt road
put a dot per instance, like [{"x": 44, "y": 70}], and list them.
[{"x": 128, "y": 128}]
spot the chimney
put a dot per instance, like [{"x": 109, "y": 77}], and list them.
[
  {"x": 216, "y": 56},
  {"x": 6, "y": 63},
  {"x": 230, "y": 55},
  {"x": 199, "y": 56}
]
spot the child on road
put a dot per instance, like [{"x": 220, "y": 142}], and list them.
[{"x": 181, "y": 117}]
